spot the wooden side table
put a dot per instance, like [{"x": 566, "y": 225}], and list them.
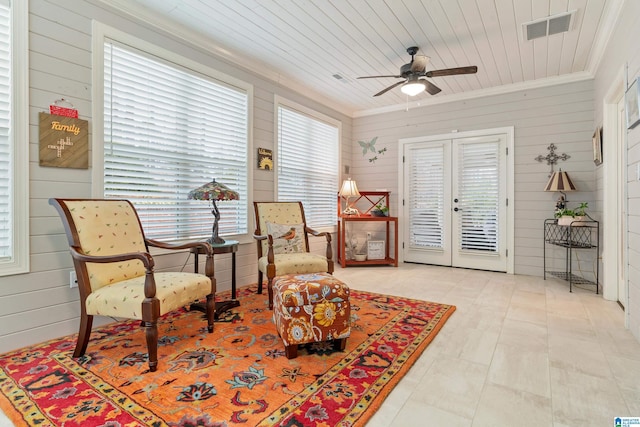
[
  {"x": 228, "y": 247},
  {"x": 369, "y": 201}
]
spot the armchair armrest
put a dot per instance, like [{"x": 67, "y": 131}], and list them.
[
  {"x": 269, "y": 239},
  {"x": 145, "y": 257},
  {"x": 206, "y": 246},
  {"x": 163, "y": 245},
  {"x": 329, "y": 251},
  {"x": 318, "y": 233}
]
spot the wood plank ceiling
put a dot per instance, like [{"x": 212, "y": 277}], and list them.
[{"x": 304, "y": 44}]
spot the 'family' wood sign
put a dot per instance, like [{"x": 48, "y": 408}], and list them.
[{"x": 64, "y": 142}]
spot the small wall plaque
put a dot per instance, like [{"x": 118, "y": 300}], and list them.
[
  {"x": 64, "y": 142},
  {"x": 265, "y": 159}
]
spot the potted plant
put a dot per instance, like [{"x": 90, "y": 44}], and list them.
[
  {"x": 380, "y": 210},
  {"x": 573, "y": 217}
]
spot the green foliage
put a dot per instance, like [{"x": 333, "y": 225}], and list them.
[
  {"x": 581, "y": 210},
  {"x": 382, "y": 208}
]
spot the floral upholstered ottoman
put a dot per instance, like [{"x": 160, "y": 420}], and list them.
[{"x": 311, "y": 308}]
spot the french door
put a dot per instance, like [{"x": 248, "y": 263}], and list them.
[{"x": 455, "y": 201}]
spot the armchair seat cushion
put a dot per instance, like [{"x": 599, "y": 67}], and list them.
[
  {"x": 124, "y": 299},
  {"x": 298, "y": 263}
]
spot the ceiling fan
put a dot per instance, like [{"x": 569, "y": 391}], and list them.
[{"x": 415, "y": 72}]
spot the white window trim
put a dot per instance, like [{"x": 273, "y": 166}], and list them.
[
  {"x": 20, "y": 139},
  {"x": 102, "y": 32},
  {"x": 279, "y": 101}
]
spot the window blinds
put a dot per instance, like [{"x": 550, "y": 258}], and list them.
[
  {"x": 6, "y": 149},
  {"x": 426, "y": 188},
  {"x": 308, "y": 165},
  {"x": 479, "y": 193},
  {"x": 169, "y": 130}
]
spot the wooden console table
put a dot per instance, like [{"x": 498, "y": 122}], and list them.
[{"x": 368, "y": 201}]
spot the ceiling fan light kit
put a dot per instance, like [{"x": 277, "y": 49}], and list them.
[
  {"x": 412, "y": 88},
  {"x": 415, "y": 75}
]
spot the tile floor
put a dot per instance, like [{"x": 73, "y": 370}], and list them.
[{"x": 518, "y": 351}]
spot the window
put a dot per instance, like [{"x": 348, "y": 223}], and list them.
[
  {"x": 14, "y": 137},
  {"x": 308, "y": 162},
  {"x": 168, "y": 129}
]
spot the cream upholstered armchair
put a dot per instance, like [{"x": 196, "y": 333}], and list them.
[
  {"x": 283, "y": 243},
  {"x": 115, "y": 271}
]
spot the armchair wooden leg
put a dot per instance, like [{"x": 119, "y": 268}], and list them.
[
  {"x": 151, "y": 332},
  {"x": 260, "y": 278},
  {"x": 210, "y": 311},
  {"x": 340, "y": 344},
  {"x": 83, "y": 335},
  {"x": 270, "y": 289}
]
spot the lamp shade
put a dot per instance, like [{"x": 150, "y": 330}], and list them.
[
  {"x": 349, "y": 188},
  {"x": 560, "y": 181},
  {"x": 213, "y": 191}
]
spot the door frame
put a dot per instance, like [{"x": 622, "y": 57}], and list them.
[
  {"x": 612, "y": 257},
  {"x": 509, "y": 191}
]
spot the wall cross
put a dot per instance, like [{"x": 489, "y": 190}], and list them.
[{"x": 552, "y": 158}]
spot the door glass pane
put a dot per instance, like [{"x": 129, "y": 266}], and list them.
[
  {"x": 478, "y": 193},
  {"x": 426, "y": 197}
]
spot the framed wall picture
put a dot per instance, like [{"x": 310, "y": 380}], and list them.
[
  {"x": 376, "y": 249},
  {"x": 632, "y": 101},
  {"x": 64, "y": 141},
  {"x": 597, "y": 146},
  {"x": 265, "y": 159}
]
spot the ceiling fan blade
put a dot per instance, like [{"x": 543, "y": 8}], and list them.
[
  {"x": 452, "y": 71},
  {"x": 389, "y": 88},
  {"x": 419, "y": 63},
  {"x": 431, "y": 88},
  {"x": 376, "y": 77}
]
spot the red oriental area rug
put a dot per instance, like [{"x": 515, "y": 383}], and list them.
[{"x": 238, "y": 375}]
